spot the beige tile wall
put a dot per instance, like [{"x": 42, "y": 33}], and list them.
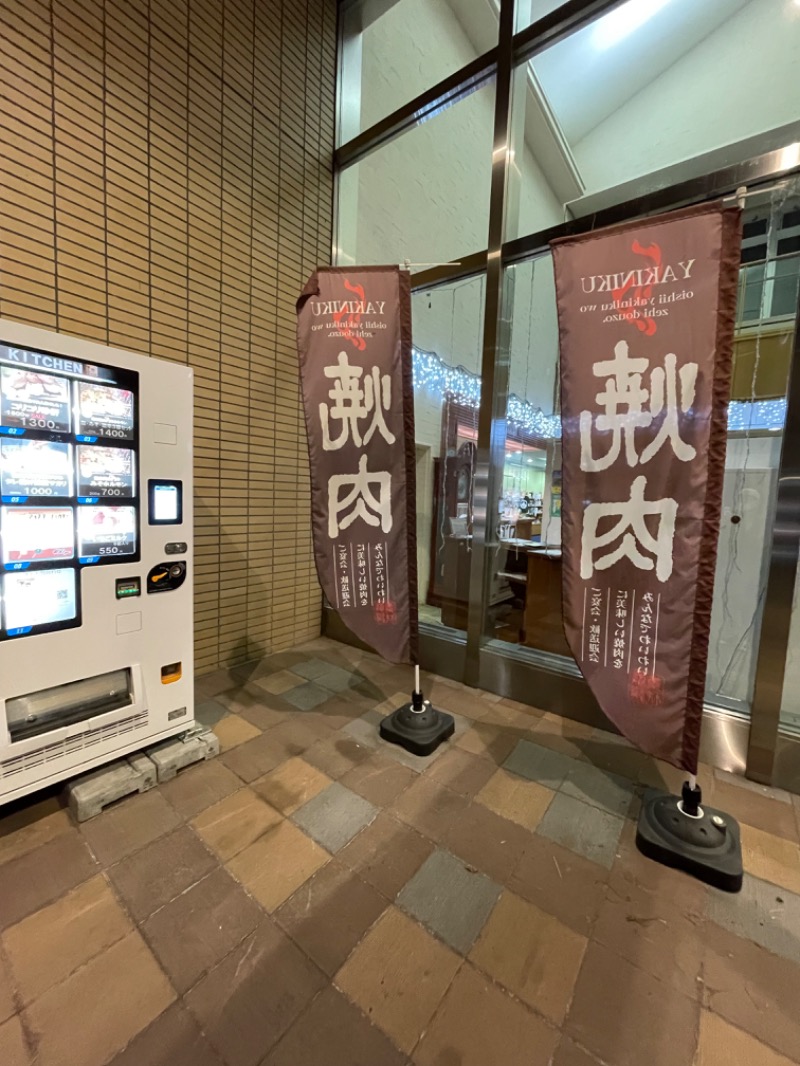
[{"x": 165, "y": 186}]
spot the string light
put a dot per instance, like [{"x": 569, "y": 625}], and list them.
[
  {"x": 433, "y": 375},
  {"x": 464, "y": 387},
  {"x": 456, "y": 383},
  {"x": 744, "y": 415}
]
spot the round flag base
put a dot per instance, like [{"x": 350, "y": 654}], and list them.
[
  {"x": 680, "y": 832},
  {"x": 417, "y": 726}
]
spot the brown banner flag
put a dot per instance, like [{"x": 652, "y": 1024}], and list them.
[
  {"x": 646, "y": 316},
  {"x": 354, "y": 341}
]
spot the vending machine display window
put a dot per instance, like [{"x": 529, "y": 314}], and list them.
[
  {"x": 35, "y": 468},
  {"x": 69, "y": 485},
  {"x": 37, "y": 535},
  {"x": 107, "y": 472},
  {"x": 105, "y": 532},
  {"x": 39, "y": 599}
]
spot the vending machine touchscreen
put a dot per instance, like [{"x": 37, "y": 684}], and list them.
[
  {"x": 68, "y": 486},
  {"x": 95, "y": 505}
]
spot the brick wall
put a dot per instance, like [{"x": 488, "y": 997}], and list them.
[{"x": 165, "y": 186}]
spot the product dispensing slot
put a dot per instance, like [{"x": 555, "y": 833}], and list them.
[
  {"x": 171, "y": 672},
  {"x": 51, "y": 708}
]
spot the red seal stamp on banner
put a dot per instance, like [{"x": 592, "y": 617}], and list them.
[{"x": 385, "y": 613}]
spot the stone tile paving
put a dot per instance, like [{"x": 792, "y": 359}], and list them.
[
  {"x": 451, "y": 899},
  {"x": 316, "y": 897}
]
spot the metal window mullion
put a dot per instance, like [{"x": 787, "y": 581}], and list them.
[
  {"x": 494, "y": 372},
  {"x": 776, "y": 621},
  {"x": 448, "y": 273}
]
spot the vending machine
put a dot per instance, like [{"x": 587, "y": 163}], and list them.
[{"x": 95, "y": 555}]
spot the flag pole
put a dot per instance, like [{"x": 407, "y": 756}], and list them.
[
  {"x": 680, "y": 832},
  {"x": 648, "y": 669},
  {"x": 418, "y": 726}
]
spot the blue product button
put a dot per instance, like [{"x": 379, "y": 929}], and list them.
[
  {"x": 87, "y": 560},
  {"x": 84, "y": 439},
  {"x": 14, "y": 499},
  {"x": 20, "y": 631},
  {"x": 12, "y": 431},
  {"x": 87, "y": 499},
  {"x": 17, "y": 566}
]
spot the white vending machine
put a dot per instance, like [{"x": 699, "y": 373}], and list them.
[{"x": 95, "y": 555}]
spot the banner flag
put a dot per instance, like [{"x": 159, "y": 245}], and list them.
[
  {"x": 354, "y": 342},
  {"x": 646, "y": 315}
]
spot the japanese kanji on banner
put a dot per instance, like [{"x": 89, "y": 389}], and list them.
[
  {"x": 646, "y": 317},
  {"x": 354, "y": 341}
]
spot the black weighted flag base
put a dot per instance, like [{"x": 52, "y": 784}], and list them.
[
  {"x": 417, "y": 726},
  {"x": 681, "y": 833}
]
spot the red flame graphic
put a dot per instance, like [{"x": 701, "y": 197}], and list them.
[
  {"x": 636, "y": 292},
  {"x": 347, "y": 321}
]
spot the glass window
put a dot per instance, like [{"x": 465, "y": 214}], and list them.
[
  {"x": 448, "y": 338},
  {"x": 524, "y": 602},
  {"x": 525, "y": 605},
  {"x": 424, "y": 196},
  {"x": 528, "y": 11},
  {"x": 648, "y": 95},
  {"x": 393, "y": 50},
  {"x": 762, "y": 355},
  {"x": 653, "y": 85},
  {"x": 784, "y": 300}
]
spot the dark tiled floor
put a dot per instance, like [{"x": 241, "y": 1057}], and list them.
[{"x": 315, "y": 897}]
